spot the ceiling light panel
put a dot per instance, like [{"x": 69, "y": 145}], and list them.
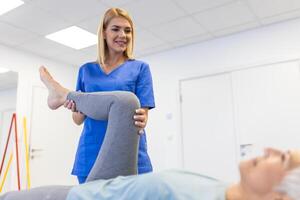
[
  {"x": 8, "y": 5},
  {"x": 74, "y": 37}
]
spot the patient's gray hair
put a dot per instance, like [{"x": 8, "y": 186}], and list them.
[{"x": 290, "y": 185}]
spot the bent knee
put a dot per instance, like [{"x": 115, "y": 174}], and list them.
[{"x": 128, "y": 100}]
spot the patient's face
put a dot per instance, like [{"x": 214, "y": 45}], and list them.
[{"x": 263, "y": 173}]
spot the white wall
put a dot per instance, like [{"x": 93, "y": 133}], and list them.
[
  {"x": 271, "y": 44},
  {"x": 7, "y": 107},
  {"x": 7, "y": 103},
  {"x": 27, "y": 67},
  {"x": 8, "y": 99}
]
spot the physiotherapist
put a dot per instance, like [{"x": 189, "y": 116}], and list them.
[{"x": 115, "y": 69}]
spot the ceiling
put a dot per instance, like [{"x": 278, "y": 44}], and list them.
[{"x": 160, "y": 24}]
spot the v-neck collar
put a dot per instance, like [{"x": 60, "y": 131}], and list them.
[{"x": 119, "y": 66}]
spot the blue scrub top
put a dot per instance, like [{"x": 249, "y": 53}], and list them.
[{"x": 132, "y": 75}]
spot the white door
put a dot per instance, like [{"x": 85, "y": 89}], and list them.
[
  {"x": 53, "y": 141},
  {"x": 268, "y": 105},
  {"x": 209, "y": 141}
]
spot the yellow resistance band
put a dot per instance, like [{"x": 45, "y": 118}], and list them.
[
  {"x": 26, "y": 152},
  {"x": 6, "y": 171}
]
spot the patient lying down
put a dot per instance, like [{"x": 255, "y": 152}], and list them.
[{"x": 273, "y": 176}]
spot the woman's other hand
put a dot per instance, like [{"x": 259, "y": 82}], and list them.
[{"x": 140, "y": 118}]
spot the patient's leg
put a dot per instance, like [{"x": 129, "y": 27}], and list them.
[
  {"x": 41, "y": 193},
  {"x": 118, "y": 155}
]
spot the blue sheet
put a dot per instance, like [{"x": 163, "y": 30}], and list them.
[{"x": 167, "y": 185}]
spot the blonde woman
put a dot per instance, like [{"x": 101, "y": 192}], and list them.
[{"x": 115, "y": 70}]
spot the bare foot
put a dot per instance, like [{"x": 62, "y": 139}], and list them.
[{"x": 57, "y": 94}]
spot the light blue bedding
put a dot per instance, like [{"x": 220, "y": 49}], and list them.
[{"x": 167, "y": 185}]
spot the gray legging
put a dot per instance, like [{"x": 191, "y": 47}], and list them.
[{"x": 118, "y": 155}]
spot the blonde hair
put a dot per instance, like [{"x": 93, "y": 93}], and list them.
[
  {"x": 102, "y": 45},
  {"x": 290, "y": 184}
]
